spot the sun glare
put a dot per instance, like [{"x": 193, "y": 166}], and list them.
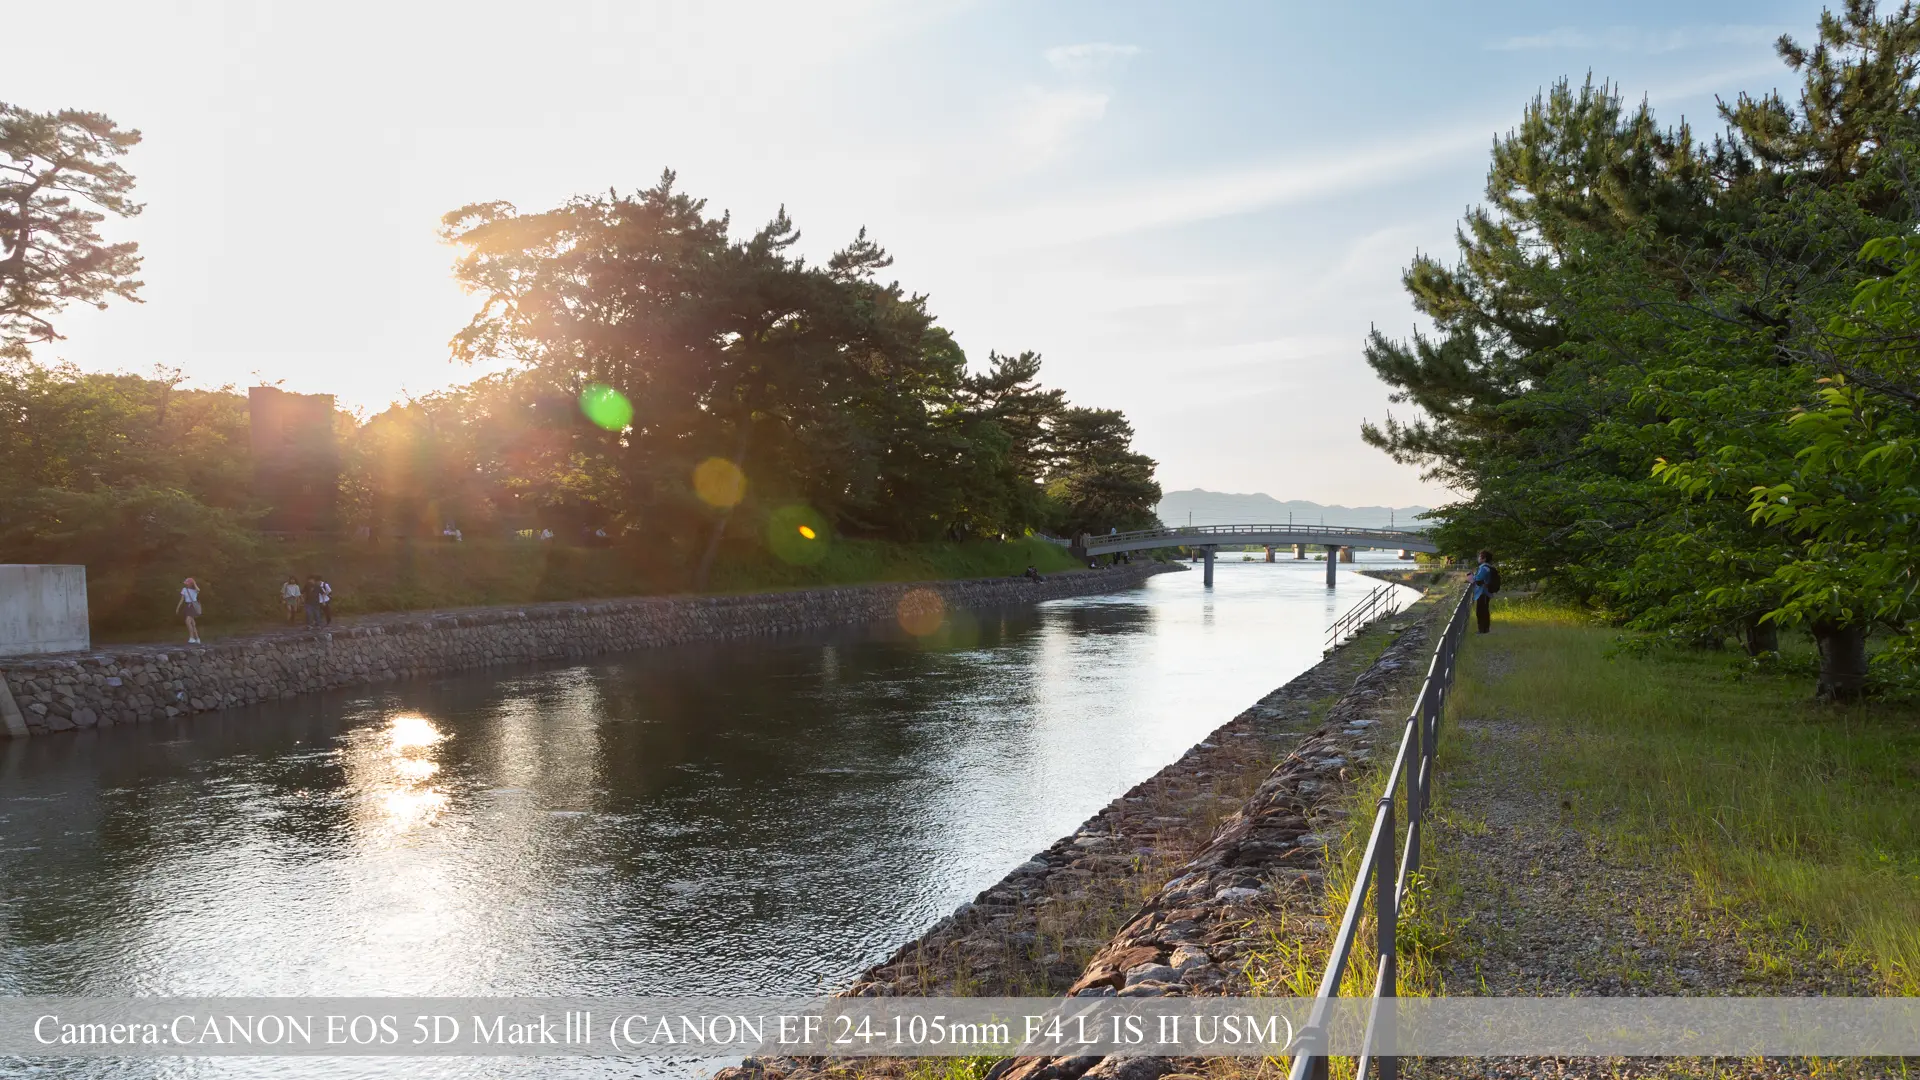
[{"x": 408, "y": 731}]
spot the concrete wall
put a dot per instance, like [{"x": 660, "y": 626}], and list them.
[
  {"x": 135, "y": 684},
  {"x": 43, "y": 609}
]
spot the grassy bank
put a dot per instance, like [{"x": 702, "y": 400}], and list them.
[
  {"x": 1788, "y": 822},
  {"x": 1793, "y": 818},
  {"x": 394, "y": 576}
]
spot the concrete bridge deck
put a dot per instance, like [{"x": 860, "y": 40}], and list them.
[{"x": 1208, "y": 538}]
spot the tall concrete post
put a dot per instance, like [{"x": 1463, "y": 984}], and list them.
[
  {"x": 1269, "y": 552},
  {"x": 1207, "y": 576},
  {"x": 12, "y": 723},
  {"x": 1299, "y": 551},
  {"x": 1333, "y": 563},
  {"x": 1346, "y": 554}
]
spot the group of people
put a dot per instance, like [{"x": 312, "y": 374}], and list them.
[{"x": 315, "y": 595}]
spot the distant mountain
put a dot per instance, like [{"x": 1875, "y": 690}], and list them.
[{"x": 1220, "y": 508}]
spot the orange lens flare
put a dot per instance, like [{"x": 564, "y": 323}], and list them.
[
  {"x": 807, "y": 531},
  {"x": 719, "y": 483},
  {"x": 922, "y": 612}
]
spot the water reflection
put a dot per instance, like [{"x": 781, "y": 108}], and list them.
[
  {"x": 389, "y": 771},
  {"x": 767, "y": 816}
]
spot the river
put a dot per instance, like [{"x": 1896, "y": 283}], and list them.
[{"x": 768, "y": 816}]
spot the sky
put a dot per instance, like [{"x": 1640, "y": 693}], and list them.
[{"x": 1194, "y": 212}]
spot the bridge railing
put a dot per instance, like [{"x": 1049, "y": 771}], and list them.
[
  {"x": 1213, "y": 532},
  {"x": 1411, "y": 779}
]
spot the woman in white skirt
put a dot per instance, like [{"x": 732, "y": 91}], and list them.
[{"x": 190, "y": 604}]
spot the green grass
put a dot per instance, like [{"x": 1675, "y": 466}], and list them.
[
  {"x": 1798, "y": 820},
  {"x": 431, "y": 575}
]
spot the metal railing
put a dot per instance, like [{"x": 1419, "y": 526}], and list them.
[
  {"x": 1207, "y": 532},
  {"x": 1378, "y": 604},
  {"x": 1413, "y": 773}
]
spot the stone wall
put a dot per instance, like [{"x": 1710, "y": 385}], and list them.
[{"x": 134, "y": 684}]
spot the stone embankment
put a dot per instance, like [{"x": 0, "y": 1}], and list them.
[{"x": 139, "y": 683}]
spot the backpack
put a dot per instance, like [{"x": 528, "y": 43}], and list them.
[{"x": 1493, "y": 578}]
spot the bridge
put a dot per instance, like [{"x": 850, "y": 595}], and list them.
[{"x": 1335, "y": 538}]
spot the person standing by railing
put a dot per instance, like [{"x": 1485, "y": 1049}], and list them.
[{"x": 1486, "y": 582}]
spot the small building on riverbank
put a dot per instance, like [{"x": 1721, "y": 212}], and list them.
[{"x": 43, "y": 609}]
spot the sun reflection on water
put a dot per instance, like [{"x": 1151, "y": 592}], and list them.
[
  {"x": 406, "y": 731},
  {"x": 402, "y": 766}
]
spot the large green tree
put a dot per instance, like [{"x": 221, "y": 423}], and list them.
[
  {"x": 822, "y": 385},
  {"x": 1637, "y": 325}
]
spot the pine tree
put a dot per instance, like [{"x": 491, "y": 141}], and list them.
[{"x": 58, "y": 180}]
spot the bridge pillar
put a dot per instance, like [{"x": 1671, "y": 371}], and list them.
[
  {"x": 1299, "y": 551},
  {"x": 1269, "y": 552},
  {"x": 1206, "y": 578},
  {"x": 1333, "y": 563},
  {"x": 1346, "y": 554}
]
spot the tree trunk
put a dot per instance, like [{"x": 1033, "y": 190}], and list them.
[
  {"x": 1762, "y": 637},
  {"x": 1843, "y": 660}
]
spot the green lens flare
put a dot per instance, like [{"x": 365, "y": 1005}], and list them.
[
  {"x": 606, "y": 407},
  {"x": 797, "y": 535}
]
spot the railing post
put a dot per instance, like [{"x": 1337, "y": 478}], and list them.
[
  {"x": 1386, "y": 917},
  {"x": 1415, "y": 809}
]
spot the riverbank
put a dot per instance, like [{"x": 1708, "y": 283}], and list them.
[
  {"x": 1176, "y": 887},
  {"x": 397, "y": 576},
  {"x": 132, "y": 684}
]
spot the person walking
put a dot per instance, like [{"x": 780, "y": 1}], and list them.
[
  {"x": 310, "y": 593},
  {"x": 290, "y": 597},
  {"x": 189, "y": 604},
  {"x": 326, "y": 601},
  {"x": 1486, "y": 582}
]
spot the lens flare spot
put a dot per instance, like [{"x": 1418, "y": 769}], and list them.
[
  {"x": 797, "y": 536},
  {"x": 719, "y": 483},
  {"x": 922, "y": 612},
  {"x": 606, "y": 407}
]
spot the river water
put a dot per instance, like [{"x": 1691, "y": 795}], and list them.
[{"x": 763, "y": 817}]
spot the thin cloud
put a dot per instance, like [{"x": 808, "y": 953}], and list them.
[
  {"x": 1183, "y": 200},
  {"x": 1089, "y": 58},
  {"x": 1635, "y": 40},
  {"x": 1048, "y": 119}
]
